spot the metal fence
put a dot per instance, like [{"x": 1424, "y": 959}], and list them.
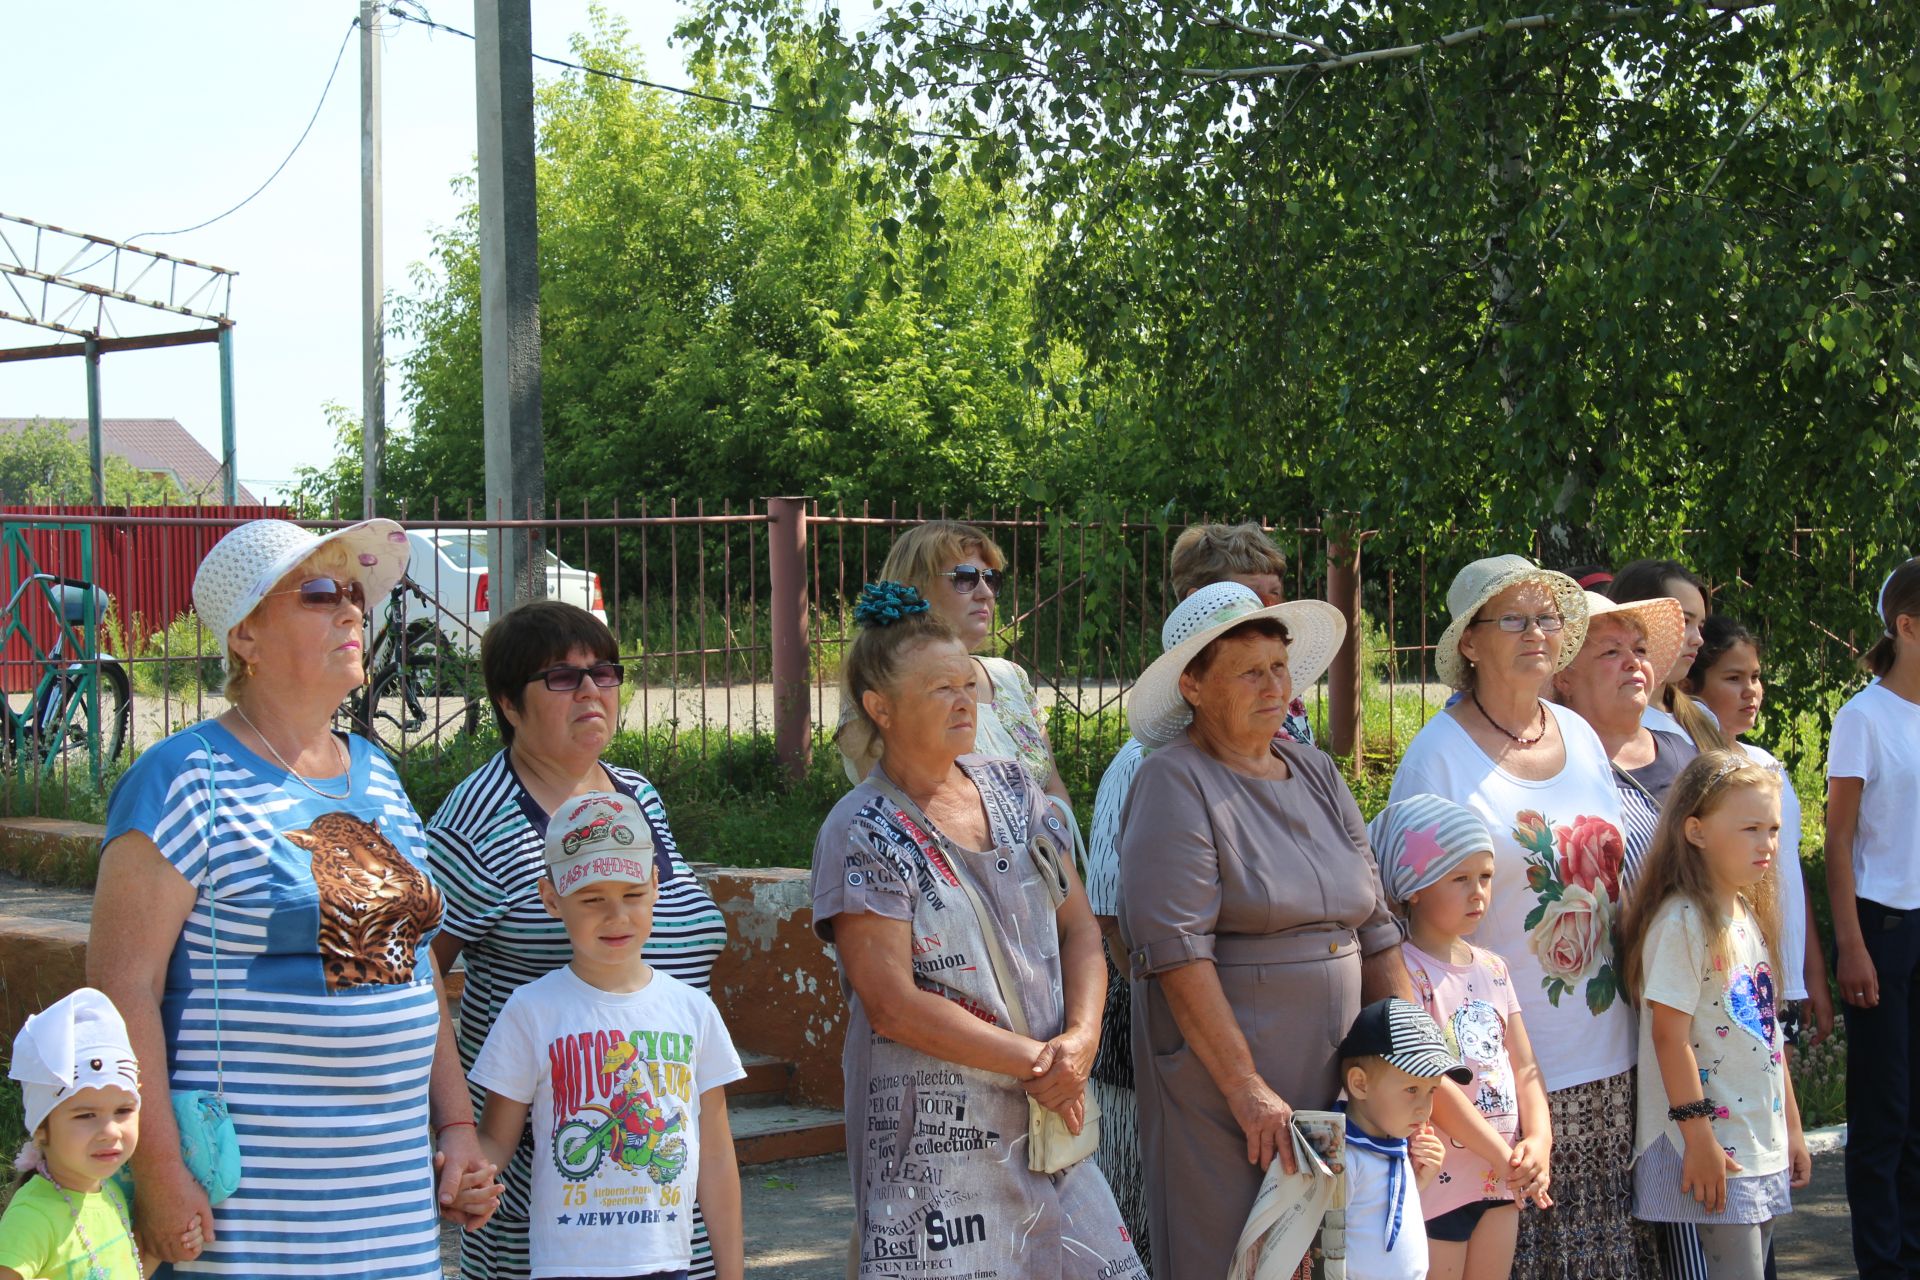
[{"x": 730, "y": 622}]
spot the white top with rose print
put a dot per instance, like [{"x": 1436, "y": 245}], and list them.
[{"x": 1557, "y": 851}]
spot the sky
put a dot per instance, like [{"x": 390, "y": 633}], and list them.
[{"x": 155, "y": 114}]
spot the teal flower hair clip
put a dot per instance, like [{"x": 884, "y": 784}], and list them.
[{"x": 881, "y": 604}]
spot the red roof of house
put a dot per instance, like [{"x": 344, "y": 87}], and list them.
[{"x": 153, "y": 444}]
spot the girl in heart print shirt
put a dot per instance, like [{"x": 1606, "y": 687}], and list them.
[{"x": 1718, "y": 1141}]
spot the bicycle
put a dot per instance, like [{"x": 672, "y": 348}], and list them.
[
  {"x": 416, "y": 671},
  {"x": 55, "y": 720}
]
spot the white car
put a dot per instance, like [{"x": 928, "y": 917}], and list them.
[{"x": 450, "y": 566}]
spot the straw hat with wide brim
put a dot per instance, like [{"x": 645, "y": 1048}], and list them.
[
  {"x": 1157, "y": 714},
  {"x": 243, "y": 566},
  {"x": 1480, "y": 582},
  {"x": 1661, "y": 618}
]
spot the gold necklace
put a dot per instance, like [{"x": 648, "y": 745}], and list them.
[{"x": 347, "y": 765}]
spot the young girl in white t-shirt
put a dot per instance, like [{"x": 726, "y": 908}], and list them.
[
  {"x": 1873, "y": 881},
  {"x": 1726, "y": 676},
  {"x": 1718, "y": 1142},
  {"x": 1436, "y": 866}
]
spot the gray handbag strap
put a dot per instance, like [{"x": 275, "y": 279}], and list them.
[
  {"x": 213, "y": 912},
  {"x": 989, "y": 935}
]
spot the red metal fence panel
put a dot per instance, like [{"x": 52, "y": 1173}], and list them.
[{"x": 146, "y": 570}]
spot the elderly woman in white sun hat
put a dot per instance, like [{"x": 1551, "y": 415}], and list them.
[
  {"x": 1251, "y": 910},
  {"x": 1618, "y": 671},
  {"x": 262, "y": 921},
  {"x": 1537, "y": 774}
]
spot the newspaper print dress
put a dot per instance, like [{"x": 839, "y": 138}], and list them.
[{"x": 938, "y": 1151}]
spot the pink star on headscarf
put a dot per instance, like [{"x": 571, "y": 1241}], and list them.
[{"x": 1421, "y": 849}]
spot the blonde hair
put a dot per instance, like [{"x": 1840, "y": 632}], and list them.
[
  {"x": 1207, "y": 553},
  {"x": 874, "y": 661},
  {"x": 920, "y": 555},
  {"x": 1674, "y": 866},
  {"x": 334, "y": 560}
]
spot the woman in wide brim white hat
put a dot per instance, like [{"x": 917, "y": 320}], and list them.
[
  {"x": 1310, "y": 633},
  {"x": 1538, "y": 776},
  {"x": 265, "y": 848},
  {"x": 1251, "y": 910}
]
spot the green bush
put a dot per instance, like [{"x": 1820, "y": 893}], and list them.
[
  {"x": 1820, "y": 1080},
  {"x": 180, "y": 659}
]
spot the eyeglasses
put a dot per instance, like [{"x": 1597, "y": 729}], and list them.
[
  {"x": 966, "y": 577},
  {"x": 325, "y": 593},
  {"x": 565, "y": 679},
  {"x": 1519, "y": 622}
]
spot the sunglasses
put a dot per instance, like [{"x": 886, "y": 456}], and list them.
[
  {"x": 565, "y": 679},
  {"x": 967, "y": 577},
  {"x": 326, "y": 593}
]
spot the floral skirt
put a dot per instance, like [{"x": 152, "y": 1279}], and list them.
[{"x": 1590, "y": 1233}]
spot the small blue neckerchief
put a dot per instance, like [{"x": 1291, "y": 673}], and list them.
[{"x": 1395, "y": 1150}]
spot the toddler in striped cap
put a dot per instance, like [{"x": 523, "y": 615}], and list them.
[{"x": 1437, "y": 867}]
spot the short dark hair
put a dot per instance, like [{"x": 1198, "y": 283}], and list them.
[
  {"x": 1900, "y": 595},
  {"x": 1270, "y": 628},
  {"x": 532, "y": 637},
  {"x": 1648, "y": 579}
]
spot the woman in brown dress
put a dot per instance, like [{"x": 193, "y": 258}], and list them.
[{"x": 1252, "y": 913}]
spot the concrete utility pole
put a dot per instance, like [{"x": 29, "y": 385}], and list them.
[
  {"x": 510, "y": 300},
  {"x": 373, "y": 301}
]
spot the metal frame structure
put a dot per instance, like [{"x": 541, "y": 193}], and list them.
[{"x": 104, "y": 302}]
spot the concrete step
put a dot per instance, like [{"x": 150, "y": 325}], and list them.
[
  {"x": 767, "y": 1076},
  {"x": 763, "y": 1134}
]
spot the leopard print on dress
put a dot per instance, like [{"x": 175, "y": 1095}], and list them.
[{"x": 375, "y": 906}]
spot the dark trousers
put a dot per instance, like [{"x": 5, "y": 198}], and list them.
[{"x": 1883, "y": 1101}]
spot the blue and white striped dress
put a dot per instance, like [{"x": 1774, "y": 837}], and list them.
[
  {"x": 485, "y": 849},
  {"x": 328, "y": 1013}
]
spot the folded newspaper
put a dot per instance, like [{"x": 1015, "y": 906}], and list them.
[{"x": 1291, "y": 1207}]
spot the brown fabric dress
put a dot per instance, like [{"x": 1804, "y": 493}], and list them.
[{"x": 1274, "y": 883}]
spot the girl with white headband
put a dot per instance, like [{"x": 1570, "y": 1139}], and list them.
[{"x": 1873, "y": 881}]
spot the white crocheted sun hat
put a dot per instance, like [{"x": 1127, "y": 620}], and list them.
[
  {"x": 1157, "y": 714},
  {"x": 1484, "y": 579},
  {"x": 243, "y": 566}
]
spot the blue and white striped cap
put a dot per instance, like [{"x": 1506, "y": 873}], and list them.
[
  {"x": 1403, "y": 1034},
  {"x": 1420, "y": 840}
]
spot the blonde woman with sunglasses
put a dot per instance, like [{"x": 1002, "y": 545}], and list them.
[
  {"x": 962, "y": 574},
  {"x": 262, "y": 922}
]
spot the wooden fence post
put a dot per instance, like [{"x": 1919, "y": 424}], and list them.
[
  {"x": 787, "y": 582},
  {"x": 1344, "y": 695}
]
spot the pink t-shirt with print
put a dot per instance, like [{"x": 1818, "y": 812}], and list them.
[{"x": 1472, "y": 1003}]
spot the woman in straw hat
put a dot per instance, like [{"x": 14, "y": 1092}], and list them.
[
  {"x": 262, "y": 922},
  {"x": 1251, "y": 910},
  {"x": 1541, "y": 780},
  {"x": 1608, "y": 684}
]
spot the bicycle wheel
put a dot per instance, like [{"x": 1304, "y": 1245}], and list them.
[
  {"x": 60, "y": 723},
  {"x": 444, "y": 684}
]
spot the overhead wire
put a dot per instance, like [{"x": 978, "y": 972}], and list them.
[
  {"x": 700, "y": 94},
  {"x": 339, "y": 55}
]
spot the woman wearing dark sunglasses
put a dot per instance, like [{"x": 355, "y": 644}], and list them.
[
  {"x": 264, "y": 848},
  {"x": 961, "y": 573},
  {"x": 554, "y": 677}
]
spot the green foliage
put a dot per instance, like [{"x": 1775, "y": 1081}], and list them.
[
  {"x": 718, "y": 321},
  {"x": 1820, "y": 1079},
  {"x": 1569, "y": 289},
  {"x": 42, "y": 463},
  {"x": 182, "y": 657}
]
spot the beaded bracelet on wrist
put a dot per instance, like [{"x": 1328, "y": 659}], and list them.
[{"x": 1701, "y": 1110}]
